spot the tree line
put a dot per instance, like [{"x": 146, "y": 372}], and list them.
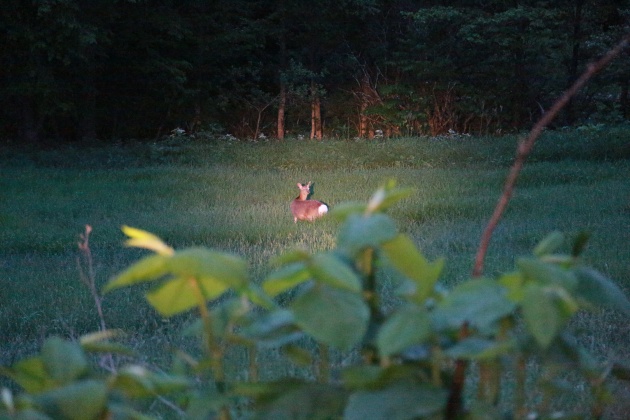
[{"x": 76, "y": 70}]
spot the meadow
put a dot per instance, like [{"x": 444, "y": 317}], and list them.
[{"x": 234, "y": 196}]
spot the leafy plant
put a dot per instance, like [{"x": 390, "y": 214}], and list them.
[{"x": 515, "y": 330}]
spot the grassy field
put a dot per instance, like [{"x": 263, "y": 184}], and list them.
[{"x": 235, "y": 196}]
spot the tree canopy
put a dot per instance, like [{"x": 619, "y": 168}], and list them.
[{"x": 76, "y": 70}]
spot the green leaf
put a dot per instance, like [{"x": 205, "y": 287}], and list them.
[
  {"x": 546, "y": 273},
  {"x": 124, "y": 411},
  {"x": 403, "y": 255},
  {"x": 291, "y": 399},
  {"x": 30, "y": 374},
  {"x": 407, "y": 326},
  {"x": 273, "y": 329},
  {"x": 108, "y": 347},
  {"x": 402, "y": 400},
  {"x": 331, "y": 270},
  {"x": 209, "y": 267},
  {"x": 64, "y": 360},
  {"x": 80, "y": 400},
  {"x": 255, "y": 294},
  {"x": 147, "y": 269},
  {"x": 197, "y": 268},
  {"x": 289, "y": 257},
  {"x": 344, "y": 210},
  {"x": 360, "y": 232},
  {"x": 475, "y": 348},
  {"x": 514, "y": 283},
  {"x": 550, "y": 244},
  {"x": 480, "y": 302},
  {"x": 333, "y": 316},
  {"x": 178, "y": 295},
  {"x": 543, "y": 318},
  {"x": 386, "y": 196},
  {"x": 136, "y": 381},
  {"x": 298, "y": 355},
  {"x": 598, "y": 290},
  {"x": 286, "y": 278},
  {"x": 362, "y": 376}
]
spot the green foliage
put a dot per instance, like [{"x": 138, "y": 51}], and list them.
[{"x": 506, "y": 325}]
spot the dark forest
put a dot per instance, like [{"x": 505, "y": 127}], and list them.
[{"x": 79, "y": 70}]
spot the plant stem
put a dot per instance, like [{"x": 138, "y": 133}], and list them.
[
  {"x": 324, "y": 364},
  {"x": 454, "y": 406},
  {"x": 89, "y": 279},
  {"x": 520, "y": 408},
  {"x": 212, "y": 346}
]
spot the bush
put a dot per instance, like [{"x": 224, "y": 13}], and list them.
[{"x": 489, "y": 347}]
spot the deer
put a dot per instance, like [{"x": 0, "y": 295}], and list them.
[{"x": 304, "y": 209}]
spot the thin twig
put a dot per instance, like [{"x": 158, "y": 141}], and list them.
[
  {"x": 89, "y": 279},
  {"x": 525, "y": 147}
]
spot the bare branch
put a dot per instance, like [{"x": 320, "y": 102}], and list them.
[{"x": 525, "y": 147}]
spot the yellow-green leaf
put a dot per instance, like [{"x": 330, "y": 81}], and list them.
[
  {"x": 142, "y": 239},
  {"x": 147, "y": 269},
  {"x": 403, "y": 255},
  {"x": 181, "y": 294}
]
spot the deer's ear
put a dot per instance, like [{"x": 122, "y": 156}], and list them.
[
  {"x": 299, "y": 185},
  {"x": 309, "y": 184}
]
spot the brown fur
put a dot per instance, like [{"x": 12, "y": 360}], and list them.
[{"x": 304, "y": 209}]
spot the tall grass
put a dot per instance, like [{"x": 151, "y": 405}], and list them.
[{"x": 234, "y": 196}]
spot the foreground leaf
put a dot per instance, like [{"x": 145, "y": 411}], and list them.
[
  {"x": 331, "y": 270},
  {"x": 404, "y": 256},
  {"x": 179, "y": 295},
  {"x": 142, "y": 239},
  {"x": 546, "y": 273},
  {"x": 286, "y": 278},
  {"x": 600, "y": 291},
  {"x": 479, "y": 302},
  {"x": 360, "y": 232},
  {"x": 550, "y": 244},
  {"x": 542, "y": 316},
  {"x": 475, "y": 348},
  {"x": 80, "y": 400},
  {"x": 409, "y": 325},
  {"x": 137, "y": 381},
  {"x": 147, "y": 269},
  {"x": 64, "y": 360},
  {"x": 333, "y": 316},
  {"x": 30, "y": 374},
  {"x": 402, "y": 400}
]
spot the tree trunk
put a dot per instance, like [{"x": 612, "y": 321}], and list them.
[
  {"x": 316, "y": 119},
  {"x": 575, "y": 57},
  {"x": 87, "y": 120},
  {"x": 281, "y": 108},
  {"x": 316, "y": 114},
  {"x": 365, "y": 96},
  {"x": 29, "y": 127}
]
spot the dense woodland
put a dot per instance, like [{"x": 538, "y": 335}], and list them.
[{"x": 76, "y": 70}]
